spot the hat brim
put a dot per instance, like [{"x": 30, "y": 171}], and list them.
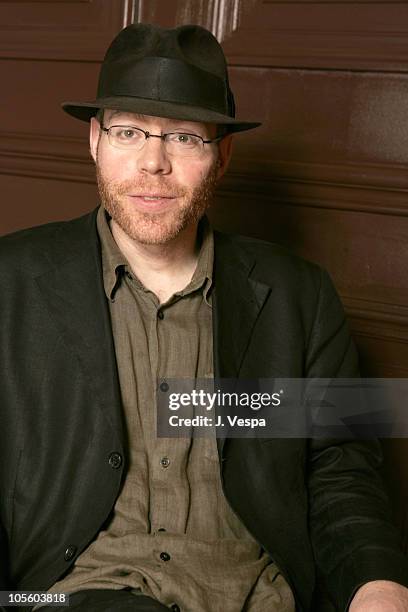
[{"x": 156, "y": 108}]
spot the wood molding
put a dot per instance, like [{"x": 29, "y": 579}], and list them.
[
  {"x": 372, "y": 310},
  {"x": 83, "y": 34},
  {"x": 329, "y": 50},
  {"x": 322, "y": 35},
  {"x": 380, "y": 189},
  {"x": 50, "y": 157},
  {"x": 362, "y": 193},
  {"x": 46, "y": 1},
  {"x": 334, "y": 2}
]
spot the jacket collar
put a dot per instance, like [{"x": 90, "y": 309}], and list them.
[{"x": 238, "y": 299}]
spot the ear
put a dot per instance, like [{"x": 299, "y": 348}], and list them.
[
  {"x": 94, "y": 135},
  {"x": 225, "y": 151}
]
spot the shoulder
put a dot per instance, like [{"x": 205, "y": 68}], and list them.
[
  {"x": 32, "y": 249},
  {"x": 270, "y": 263}
]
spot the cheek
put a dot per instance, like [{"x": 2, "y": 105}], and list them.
[
  {"x": 113, "y": 168},
  {"x": 192, "y": 175}
]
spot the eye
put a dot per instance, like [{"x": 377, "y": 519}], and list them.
[
  {"x": 127, "y": 133},
  {"x": 184, "y": 140}
]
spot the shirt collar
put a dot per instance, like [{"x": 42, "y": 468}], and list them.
[
  {"x": 113, "y": 260},
  {"x": 203, "y": 274}
]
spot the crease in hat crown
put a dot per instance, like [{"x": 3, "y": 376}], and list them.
[{"x": 179, "y": 73}]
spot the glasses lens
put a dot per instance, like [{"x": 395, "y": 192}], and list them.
[
  {"x": 184, "y": 145},
  {"x": 126, "y": 137}
]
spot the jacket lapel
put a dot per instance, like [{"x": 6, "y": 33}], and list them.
[
  {"x": 238, "y": 299},
  {"x": 73, "y": 290}
]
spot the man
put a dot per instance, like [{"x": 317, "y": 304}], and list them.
[{"x": 96, "y": 310}]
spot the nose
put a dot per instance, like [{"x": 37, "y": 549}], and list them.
[{"x": 153, "y": 158}]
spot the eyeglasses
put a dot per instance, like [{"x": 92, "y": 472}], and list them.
[{"x": 179, "y": 144}]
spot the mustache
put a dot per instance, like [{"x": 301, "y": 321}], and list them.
[{"x": 143, "y": 187}]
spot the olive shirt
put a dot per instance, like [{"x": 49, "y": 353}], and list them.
[{"x": 172, "y": 535}]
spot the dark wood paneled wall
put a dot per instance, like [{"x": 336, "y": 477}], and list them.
[{"x": 326, "y": 174}]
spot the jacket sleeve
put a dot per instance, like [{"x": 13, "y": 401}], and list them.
[
  {"x": 4, "y": 580},
  {"x": 353, "y": 537}
]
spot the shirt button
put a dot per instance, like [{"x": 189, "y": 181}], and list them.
[
  {"x": 165, "y": 462},
  {"x": 70, "y": 553},
  {"x": 115, "y": 460},
  {"x": 160, "y": 314},
  {"x": 174, "y": 608},
  {"x": 165, "y": 556},
  {"x": 164, "y": 387}
]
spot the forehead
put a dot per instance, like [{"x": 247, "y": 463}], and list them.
[{"x": 113, "y": 116}]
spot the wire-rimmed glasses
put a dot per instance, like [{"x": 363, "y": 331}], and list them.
[{"x": 180, "y": 144}]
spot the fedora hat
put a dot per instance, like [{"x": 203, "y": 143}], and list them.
[{"x": 179, "y": 73}]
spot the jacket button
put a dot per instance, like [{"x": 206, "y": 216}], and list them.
[
  {"x": 70, "y": 553},
  {"x": 115, "y": 460},
  {"x": 165, "y": 556}
]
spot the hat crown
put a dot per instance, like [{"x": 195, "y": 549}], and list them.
[
  {"x": 190, "y": 43},
  {"x": 184, "y": 65},
  {"x": 178, "y": 73}
]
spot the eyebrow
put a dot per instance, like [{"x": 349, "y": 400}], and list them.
[{"x": 118, "y": 112}]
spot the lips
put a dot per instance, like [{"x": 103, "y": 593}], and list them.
[
  {"x": 148, "y": 196},
  {"x": 152, "y": 203}
]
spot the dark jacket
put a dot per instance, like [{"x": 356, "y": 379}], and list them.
[{"x": 62, "y": 452}]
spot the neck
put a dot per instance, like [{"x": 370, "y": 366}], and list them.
[{"x": 162, "y": 268}]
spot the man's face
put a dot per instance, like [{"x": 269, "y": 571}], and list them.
[{"x": 151, "y": 195}]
